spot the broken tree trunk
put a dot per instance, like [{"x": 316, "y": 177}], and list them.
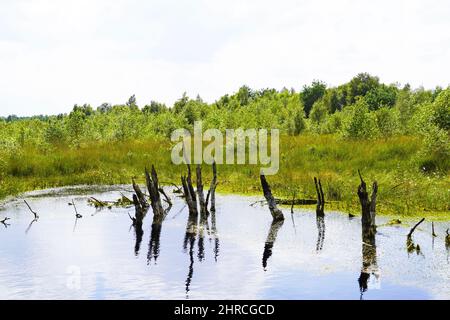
[
  {"x": 369, "y": 253},
  {"x": 140, "y": 195},
  {"x": 277, "y": 214},
  {"x": 140, "y": 211},
  {"x": 153, "y": 190},
  {"x": 367, "y": 206},
  {"x": 212, "y": 189},
  {"x": 189, "y": 193},
  {"x": 201, "y": 196},
  {"x": 320, "y": 198}
]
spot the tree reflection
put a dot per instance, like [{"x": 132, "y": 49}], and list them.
[
  {"x": 320, "y": 221},
  {"x": 369, "y": 259},
  {"x": 271, "y": 238}
]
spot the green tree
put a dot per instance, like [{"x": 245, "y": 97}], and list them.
[
  {"x": 311, "y": 94},
  {"x": 154, "y": 107},
  {"x": 179, "y": 105},
  {"x": 380, "y": 96},
  {"x": 441, "y": 110},
  {"x": 131, "y": 103},
  {"x": 360, "y": 85},
  {"x": 358, "y": 122},
  {"x": 319, "y": 112}
]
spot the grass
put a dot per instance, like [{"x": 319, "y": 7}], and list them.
[{"x": 403, "y": 189}]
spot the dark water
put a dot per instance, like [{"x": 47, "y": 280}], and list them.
[{"x": 240, "y": 255}]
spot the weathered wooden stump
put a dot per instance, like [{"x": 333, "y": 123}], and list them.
[
  {"x": 369, "y": 249},
  {"x": 201, "y": 196},
  {"x": 320, "y": 198},
  {"x": 212, "y": 189},
  {"x": 368, "y": 207},
  {"x": 277, "y": 214},
  {"x": 153, "y": 190}
]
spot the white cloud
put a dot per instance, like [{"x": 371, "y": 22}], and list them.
[{"x": 54, "y": 54}]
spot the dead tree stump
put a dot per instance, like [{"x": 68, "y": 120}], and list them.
[
  {"x": 277, "y": 214},
  {"x": 320, "y": 198},
  {"x": 369, "y": 249},
  {"x": 153, "y": 190},
  {"x": 212, "y": 189},
  {"x": 367, "y": 206},
  {"x": 201, "y": 196},
  {"x": 140, "y": 195},
  {"x": 189, "y": 193}
]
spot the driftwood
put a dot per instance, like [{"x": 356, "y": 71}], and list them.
[
  {"x": 433, "y": 234},
  {"x": 166, "y": 197},
  {"x": 4, "y": 222},
  {"x": 320, "y": 197},
  {"x": 36, "y": 216},
  {"x": 153, "y": 190},
  {"x": 277, "y": 214},
  {"x": 414, "y": 228},
  {"x": 77, "y": 215},
  {"x": 123, "y": 201},
  {"x": 290, "y": 202}
]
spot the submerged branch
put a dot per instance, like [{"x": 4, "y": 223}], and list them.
[{"x": 36, "y": 216}]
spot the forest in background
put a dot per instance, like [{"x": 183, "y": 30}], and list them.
[{"x": 397, "y": 134}]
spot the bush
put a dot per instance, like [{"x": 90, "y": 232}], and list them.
[{"x": 359, "y": 122}]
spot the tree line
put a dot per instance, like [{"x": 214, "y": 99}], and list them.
[{"x": 363, "y": 108}]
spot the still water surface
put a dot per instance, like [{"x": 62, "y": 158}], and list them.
[{"x": 237, "y": 254}]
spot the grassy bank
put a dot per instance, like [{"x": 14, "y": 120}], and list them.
[{"x": 404, "y": 189}]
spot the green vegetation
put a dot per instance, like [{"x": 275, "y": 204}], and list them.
[{"x": 398, "y": 136}]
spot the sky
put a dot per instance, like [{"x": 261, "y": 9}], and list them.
[{"x": 54, "y": 54}]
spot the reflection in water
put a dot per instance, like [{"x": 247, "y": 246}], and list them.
[
  {"x": 29, "y": 226},
  {"x": 411, "y": 247},
  {"x": 320, "y": 220},
  {"x": 196, "y": 230},
  {"x": 75, "y": 224},
  {"x": 189, "y": 239},
  {"x": 140, "y": 213},
  {"x": 153, "y": 246},
  {"x": 201, "y": 238},
  {"x": 139, "y": 232},
  {"x": 155, "y": 235},
  {"x": 215, "y": 234},
  {"x": 369, "y": 259},
  {"x": 447, "y": 243},
  {"x": 271, "y": 238}
]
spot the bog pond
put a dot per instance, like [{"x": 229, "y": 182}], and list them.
[{"x": 237, "y": 254}]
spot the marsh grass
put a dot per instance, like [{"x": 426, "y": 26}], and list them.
[{"x": 404, "y": 189}]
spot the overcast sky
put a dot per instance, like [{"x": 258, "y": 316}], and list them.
[{"x": 54, "y": 54}]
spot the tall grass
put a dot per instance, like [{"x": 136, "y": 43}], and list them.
[{"x": 404, "y": 189}]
